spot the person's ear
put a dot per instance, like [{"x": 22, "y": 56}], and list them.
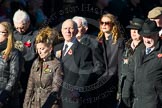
[
  {"x": 51, "y": 48},
  {"x": 86, "y": 28},
  {"x": 75, "y": 32}
]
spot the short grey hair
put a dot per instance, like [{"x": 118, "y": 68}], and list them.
[
  {"x": 84, "y": 21},
  {"x": 21, "y": 16}
]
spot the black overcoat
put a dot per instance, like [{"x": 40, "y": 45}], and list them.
[{"x": 145, "y": 77}]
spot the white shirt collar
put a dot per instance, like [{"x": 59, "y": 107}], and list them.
[
  {"x": 69, "y": 46},
  {"x": 160, "y": 33}
]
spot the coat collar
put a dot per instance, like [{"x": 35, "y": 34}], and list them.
[
  {"x": 71, "y": 51},
  {"x": 154, "y": 53}
]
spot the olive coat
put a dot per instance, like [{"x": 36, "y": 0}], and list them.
[{"x": 44, "y": 84}]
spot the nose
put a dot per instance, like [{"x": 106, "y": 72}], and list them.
[
  {"x": 68, "y": 30},
  {"x": 39, "y": 52},
  {"x": 134, "y": 31},
  {"x": 20, "y": 30}
]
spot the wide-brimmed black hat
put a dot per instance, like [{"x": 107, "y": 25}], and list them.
[
  {"x": 136, "y": 23},
  {"x": 149, "y": 28}
]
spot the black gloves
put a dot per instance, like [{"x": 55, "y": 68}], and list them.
[
  {"x": 4, "y": 96},
  {"x": 52, "y": 98}
]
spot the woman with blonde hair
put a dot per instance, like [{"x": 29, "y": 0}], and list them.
[
  {"x": 111, "y": 39},
  {"x": 46, "y": 73},
  {"x": 109, "y": 25},
  {"x": 9, "y": 68}
]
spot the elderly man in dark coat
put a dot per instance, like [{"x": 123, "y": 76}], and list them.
[
  {"x": 77, "y": 65},
  {"x": 145, "y": 70},
  {"x": 24, "y": 36}
]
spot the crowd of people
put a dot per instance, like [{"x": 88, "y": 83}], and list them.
[{"x": 42, "y": 67}]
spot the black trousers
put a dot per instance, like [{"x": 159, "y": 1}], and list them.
[{"x": 103, "y": 97}]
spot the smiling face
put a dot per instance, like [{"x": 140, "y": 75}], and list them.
[
  {"x": 150, "y": 41},
  {"x": 3, "y": 33},
  {"x": 135, "y": 35},
  {"x": 43, "y": 50}
]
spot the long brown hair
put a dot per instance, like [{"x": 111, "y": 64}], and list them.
[
  {"x": 116, "y": 29},
  {"x": 9, "y": 47}
]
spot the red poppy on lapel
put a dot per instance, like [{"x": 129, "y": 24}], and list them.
[
  {"x": 46, "y": 69},
  {"x": 28, "y": 43},
  {"x": 100, "y": 41},
  {"x": 159, "y": 55},
  {"x": 70, "y": 52}
]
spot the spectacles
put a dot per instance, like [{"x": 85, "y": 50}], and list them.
[
  {"x": 106, "y": 23},
  {"x": 21, "y": 28}
]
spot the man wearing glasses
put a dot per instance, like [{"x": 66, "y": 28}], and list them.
[{"x": 24, "y": 36}]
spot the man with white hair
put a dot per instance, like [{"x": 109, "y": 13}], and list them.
[
  {"x": 21, "y": 21},
  {"x": 98, "y": 61},
  {"x": 24, "y": 36},
  {"x": 82, "y": 26},
  {"x": 91, "y": 42},
  {"x": 77, "y": 64}
]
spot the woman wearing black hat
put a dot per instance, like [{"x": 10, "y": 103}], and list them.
[
  {"x": 144, "y": 75},
  {"x": 130, "y": 46}
]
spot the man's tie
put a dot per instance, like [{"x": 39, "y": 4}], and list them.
[
  {"x": 148, "y": 50},
  {"x": 66, "y": 46}
]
